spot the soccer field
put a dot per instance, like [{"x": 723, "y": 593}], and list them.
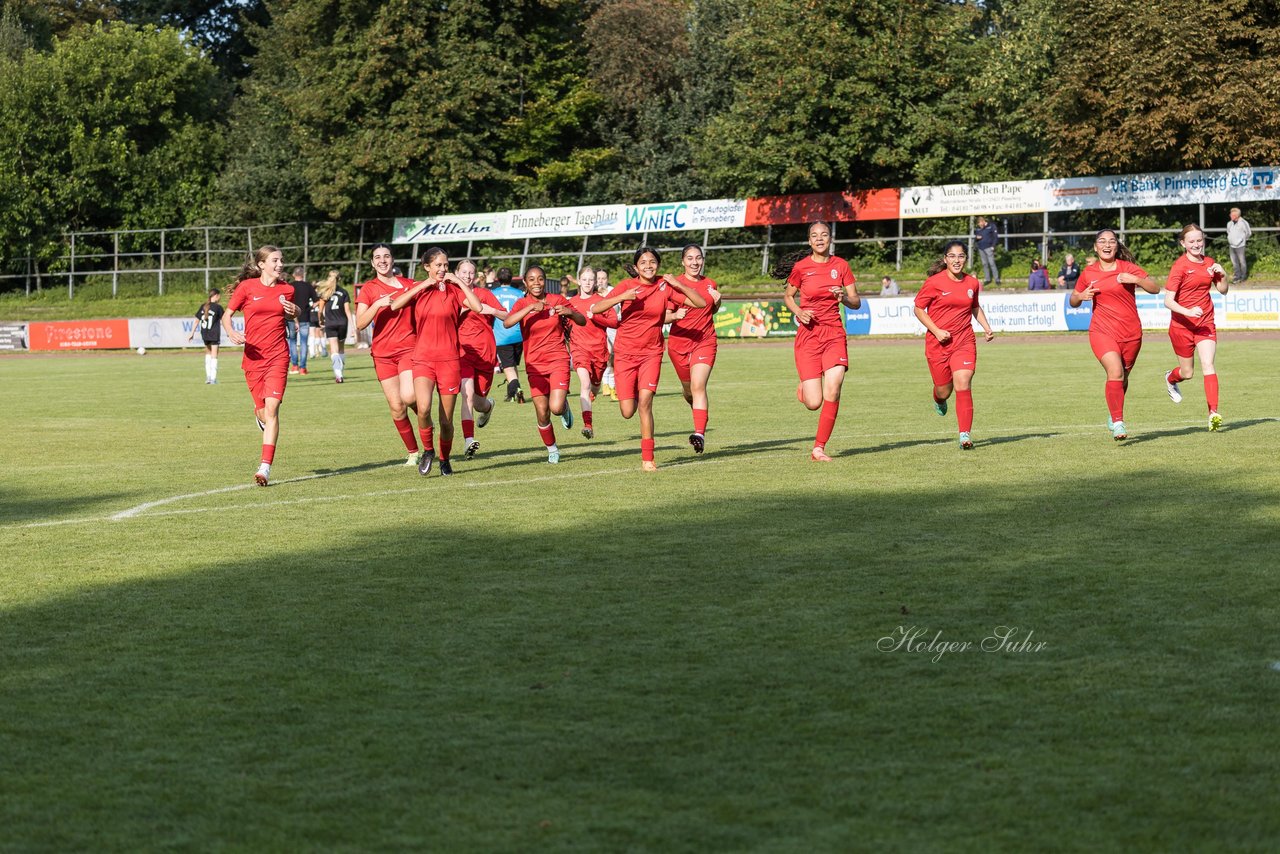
[{"x": 745, "y": 650}]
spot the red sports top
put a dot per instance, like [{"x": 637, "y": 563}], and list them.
[
  {"x": 815, "y": 280},
  {"x": 436, "y": 314},
  {"x": 950, "y": 304},
  {"x": 393, "y": 331},
  {"x": 640, "y": 324},
  {"x": 698, "y": 324},
  {"x": 475, "y": 333},
  {"x": 1192, "y": 286},
  {"x": 1115, "y": 310},
  {"x": 590, "y": 341},
  {"x": 543, "y": 332},
  {"x": 263, "y": 307}
]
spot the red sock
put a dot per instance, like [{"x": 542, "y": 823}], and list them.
[
  {"x": 428, "y": 435},
  {"x": 586, "y": 418},
  {"x": 548, "y": 434},
  {"x": 406, "y": 434},
  {"x": 1211, "y": 391},
  {"x": 964, "y": 409},
  {"x": 468, "y": 428},
  {"x": 1174, "y": 376},
  {"x": 446, "y": 445},
  {"x": 826, "y": 422},
  {"x": 268, "y": 453},
  {"x": 700, "y": 421},
  {"x": 1115, "y": 399},
  {"x": 646, "y": 450}
]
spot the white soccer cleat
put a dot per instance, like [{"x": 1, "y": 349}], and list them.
[
  {"x": 263, "y": 475},
  {"x": 553, "y": 455},
  {"x": 482, "y": 418},
  {"x": 1172, "y": 388},
  {"x": 966, "y": 443},
  {"x": 413, "y": 459}
]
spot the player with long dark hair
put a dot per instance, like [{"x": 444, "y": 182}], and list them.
[
  {"x": 1115, "y": 332},
  {"x": 691, "y": 344},
  {"x": 546, "y": 361},
  {"x": 267, "y": 302},
  {"x": 1189, "y": 298},
  {"x": 643, "y": 299},
  {"x": 438, "y": 301},
  {"x": 209, "y": 322},
  {"x": 394, "y": 337},
  {"x": 946, "y": 305},
  {"x": 823, "y": 282}
]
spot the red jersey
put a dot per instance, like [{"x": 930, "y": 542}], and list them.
[
  {"x": 1115, "y": 310},
  {"x": 437, "y": 314},
  {"x": 393, "y": 331},
  {"x": 950, "y": 304},
  {"x": 641, "y": 319},
  {"x": 475, "y": 333},
  {"x": 699, "y": 323},
  {"x": 263, "y": 307},
  {"x": 543, "y": 331},
  {"x": 1191, "y": 286},
  {"x": 815, "y": 280},
  {"x": 590, "y": 339}
]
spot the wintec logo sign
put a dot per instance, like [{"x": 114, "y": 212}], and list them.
[{"x": 673, "y": 216}]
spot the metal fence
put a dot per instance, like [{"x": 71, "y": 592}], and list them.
[{"x": 153, "y": 260}]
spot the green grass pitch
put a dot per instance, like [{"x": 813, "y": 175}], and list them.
[{"x": 587, "y": 657}]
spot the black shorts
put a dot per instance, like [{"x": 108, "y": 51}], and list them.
[
  {"x": 509, "y": 355},
  {"x": 211, "y": 342},
  {"x": 339, "y": 331}
]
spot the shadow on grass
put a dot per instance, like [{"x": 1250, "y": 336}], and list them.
[
  {"x": 19, "y": 505},
  {"x": 709, "y": 677},
  {"x": 1155, "y": 435}
]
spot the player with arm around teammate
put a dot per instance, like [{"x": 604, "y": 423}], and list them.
[
  {"x": 691, "y": 345},
  {"x": 1188, "y": 295},
  {"x": 394, "y": 337},
  {"x": 479, "y": 357}
]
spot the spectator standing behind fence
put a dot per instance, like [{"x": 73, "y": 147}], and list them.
[
  {"x": 1039, "y": 278},
  {"x": 888, "y": 287},
  {"x": 987, "y": 236},
  {"x": 1069, "y": 273},
  {"x": 1238, "y": 234},
  {"x": 298, "y": 331}
]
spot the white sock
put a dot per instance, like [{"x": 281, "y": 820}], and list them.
[
  {"x": 342, "y": 363},
  {"x": 608, "y": 377},
  {"x": 213, "y": 368},
  {"x": 553, "y": 448},
  {"x": 206, "y": 367}
]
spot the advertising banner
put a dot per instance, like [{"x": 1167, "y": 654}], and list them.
[
  {"x": 972, "y": 199},
  {"x": 685, "y": 216},
  {"x": 446, "y": 229},
  {"x": 79, "y": 335},
  {"x": 1211, "y": 186},
  {"x": 754, "y": 319},
  {"x": 566, "y": 222},
  {"x": 159, "y": 332},
  {"x": 13, "y": 336},
  {"x": 838, "y": 207},
  {"x": 1247, "y": 310}
]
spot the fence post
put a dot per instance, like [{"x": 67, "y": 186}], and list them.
[
  {"x": 28, "y": 271},
  {"x": 115, "y": 263},
  {"x": 469, "y": 244},
  {"x": 306, "y": 247},
  {"x": 208, "y": 260},
  {"x": 160, "y": 272},
  {"x": 359, "y": 255},
  {"x": 524, "y": 257},
  {"x": 1202, "y": 216},
  {"x": 413, "y": 262},
  {"x": 1122, "y": 223},
  {"x": 582, "y": 256},
  {"x": 969, "y": 251},
  {"x": 764, "y": 262},
  {"x": 71, "y": 272},
  {"x": 898, "y": 264},
  {"x": 1044, "y": 239}
]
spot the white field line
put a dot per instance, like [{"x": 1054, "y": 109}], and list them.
[{"x": 141, "y": 509}]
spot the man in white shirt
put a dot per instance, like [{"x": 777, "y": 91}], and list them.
[{"x": 1238, "y": 233}]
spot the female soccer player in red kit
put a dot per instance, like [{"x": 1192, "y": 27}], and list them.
[
  {"x": 437, "y": 302},
  {"x": 1188, "y": 296},
  {"x": 266, "y": 302},
  {"x": 1115, "y": 332},
  {"x": 393, "y": 340},
  {"x": 546, "y": 361},
  {"x": 644, "y": 299},
  {"x": 823, "y": 282},
  {"x": 479, "y": 357},
  {"x": 588, "y": 347},
  {"x": 692, "y": 342},
  {"x": 946, "y": 305}
]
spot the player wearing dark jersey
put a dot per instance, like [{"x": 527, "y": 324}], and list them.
[
  {"x": 209, "y": 323},
  {"x": 337, "y": 320}
]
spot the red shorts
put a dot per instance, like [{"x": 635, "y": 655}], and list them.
[
  {"x": 945, "y": 361},
  {"x": 1103, "y": 343},
  {"x": 545, "y": 377},
  {"x": 472, "y": 367},
  {"x": 392, "y": 365},
  {"x": 818, "y": 352},
  {"x": 631, "y": 374},
  {"x": 1185, "y": 337},
  {"x": 446, "y": 374},
  {"x": 594, "y": 363},
  {"x": 702, "y": 353},
  {"x": 266, "y": 379}
]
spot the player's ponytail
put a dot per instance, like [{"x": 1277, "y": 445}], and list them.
[{"x": 782, "y": 268}]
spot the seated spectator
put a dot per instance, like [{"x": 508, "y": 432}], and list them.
[
  {"x": 1039, "y": 278},
  {"x": 888, "y": 287},
  {"x": 1069, "y": 274}
]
